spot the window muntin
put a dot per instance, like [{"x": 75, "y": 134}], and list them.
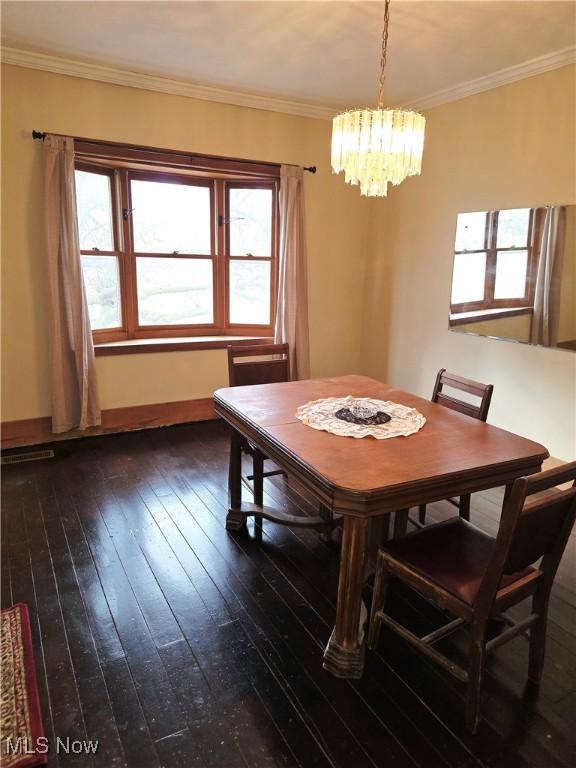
[
  {"x": 169, "y": 270},
  {"x": 174, "y": 291},
  {"x": 468, "y": 281},
  {"x": 94, "y": 208},
  {"x": 250, "y": 221},
  {"x": 471, "y": 231},
  {"x": 511, "y": 270},
  {"x": 171, "y": 216},
  {"x": 100, "y": 256},
  {"x": 249, "y": 246},
  {"x": 249, "y": 287},
  {"x": 513, "y": 228},
  {"x": 102, "y": 282}
]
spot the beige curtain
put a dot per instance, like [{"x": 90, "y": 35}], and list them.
[
  {"x": 74, "y": 393},
  {"x": 292, "y": 308},
  {"x": 544, "y": 328}
]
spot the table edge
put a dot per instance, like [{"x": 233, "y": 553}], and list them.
[{"x": 374, "y": 497}]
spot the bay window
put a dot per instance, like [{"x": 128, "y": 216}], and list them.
[{"x": 167, "y": 252}]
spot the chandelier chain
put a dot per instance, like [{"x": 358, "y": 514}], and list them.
[{"x": 383, "y": 54}]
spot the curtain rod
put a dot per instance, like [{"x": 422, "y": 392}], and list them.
[{"x": 41, "y": 135}]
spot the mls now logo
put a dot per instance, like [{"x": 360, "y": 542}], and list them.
[{"x": 24, "y": 746}]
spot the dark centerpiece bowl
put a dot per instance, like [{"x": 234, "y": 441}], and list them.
[{"x": 361, "y": 413}]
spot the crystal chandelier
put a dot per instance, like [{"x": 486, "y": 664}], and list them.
[{"x": 375, "y": 147}]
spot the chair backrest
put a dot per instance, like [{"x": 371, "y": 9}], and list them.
[
  {"x": 536, "y": 522},
  {"x": 272, "y": 364},
  {"x": 483, "y": 391}
]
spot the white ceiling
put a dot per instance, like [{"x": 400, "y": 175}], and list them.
[{"x": 324, "y": 53}]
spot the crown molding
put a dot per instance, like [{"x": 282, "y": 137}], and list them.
[
  {"x": 101, "y": 73},
  {"x": 536, "y": 66},
  {"x": 104, "y": 74}
]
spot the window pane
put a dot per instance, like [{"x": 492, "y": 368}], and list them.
[
  {"x": 513, "y": 228},
  {"x": 510, "y": 274},
  {"x": 250, "y": 292},
  {"x": 471, "y": 231},
  {"x": 170, "y": 217},
  {"x": 468, "y": 277},
  {"x": 174, "y": 291},
  {"x": 250, "y": 222},
  {"x": 94, "y": 210},
  {"x": 102, "y": 291}
]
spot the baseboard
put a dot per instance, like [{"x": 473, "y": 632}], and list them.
[{"x": 37, "y": 431}]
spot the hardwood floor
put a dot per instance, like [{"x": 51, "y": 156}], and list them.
[{"x": 175, "y": 643}]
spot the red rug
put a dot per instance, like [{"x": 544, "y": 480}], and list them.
[{"x": 20, "y": 718}]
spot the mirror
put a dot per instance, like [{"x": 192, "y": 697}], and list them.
[{"x": 514, "y": 275}]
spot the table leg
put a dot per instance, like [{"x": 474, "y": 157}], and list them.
[
  {"x": 344, "y": 654},
  {"x": 235, "y": 519},
  {"x": 507, "y": 492}
]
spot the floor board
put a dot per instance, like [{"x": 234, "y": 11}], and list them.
[{"x": 175, "y": 643}]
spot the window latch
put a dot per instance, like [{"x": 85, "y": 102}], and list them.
[
  {"x": 126, "y": 213},
  {"x": 228, "y": 220}
]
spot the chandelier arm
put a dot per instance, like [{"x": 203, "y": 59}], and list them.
[{"x": 383, "y": 54}]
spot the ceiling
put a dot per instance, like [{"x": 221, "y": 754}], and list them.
[{"x": 324, "y": 53}]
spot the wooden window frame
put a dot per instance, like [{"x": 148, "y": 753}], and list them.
[
  {"x": 120, "y": 175},
  {"x": 237, "y": 328},
  {"x": 491, "y": 250}
]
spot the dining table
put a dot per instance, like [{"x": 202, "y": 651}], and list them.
[{"x": 363, "y": 479}]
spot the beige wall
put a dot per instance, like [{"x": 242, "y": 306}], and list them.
[
  {"x": 337, "y": 226},
  {"x": 510, "y": 147}
]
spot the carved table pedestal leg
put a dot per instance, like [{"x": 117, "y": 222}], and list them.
[
  {"x": 235, "y": 519},
  {"x": 344, "y": 654}
]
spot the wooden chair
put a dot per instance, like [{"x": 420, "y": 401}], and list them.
[
  {"x": 271, "y": 366},
  {"x": 476, "y": 577},
  {"x": 244, "y": 370},
  {"x": 476, "y": 411}
]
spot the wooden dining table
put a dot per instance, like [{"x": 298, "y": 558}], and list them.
[{"x": 364, "y": 479}]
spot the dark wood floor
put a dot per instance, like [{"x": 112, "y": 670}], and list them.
[{"x": 175, "y": 643}]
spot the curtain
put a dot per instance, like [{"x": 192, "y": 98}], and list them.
[
  {"x": 292, "y": 306},
  {"x": 544, "y": 328},
  {"x": 74, "y": 392}
]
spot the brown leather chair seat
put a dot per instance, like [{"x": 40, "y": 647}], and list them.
[{"x": 454, "y": 554}]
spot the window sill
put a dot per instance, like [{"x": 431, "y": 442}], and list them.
[
  {"x": 174, "y": 344},
  {"x": 462, "y": 318}
]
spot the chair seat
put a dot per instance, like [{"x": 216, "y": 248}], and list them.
[{"x": 454, "y": 554}]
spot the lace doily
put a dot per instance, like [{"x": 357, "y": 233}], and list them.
[{"x": 320, "y": 414}]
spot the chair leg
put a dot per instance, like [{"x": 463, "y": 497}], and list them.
[
  {"x": 475, "y": 675},
  {"x": 465, "y": 506},
  {"x": 400, "y": 522},
  {"x": 258, "y": 482},
  {"x": 378, "y": 599},
  {"x": 422, "y": 513},
  {"x": 538, "y": 638},
  {"x": 384, "y": 528}
]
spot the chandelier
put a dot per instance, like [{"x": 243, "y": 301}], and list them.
[{"x": 377, "y": 147}]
